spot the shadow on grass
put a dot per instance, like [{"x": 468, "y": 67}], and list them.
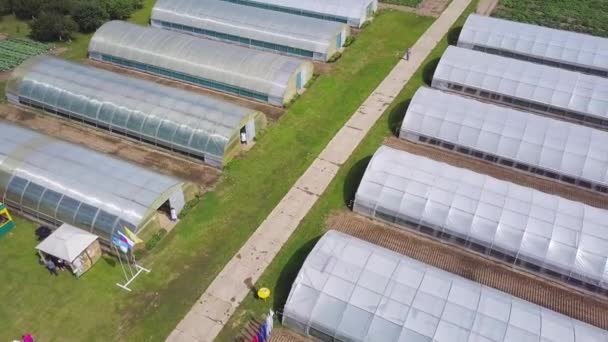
[
  {"x": 289, "y": 273},
  {"x": 429, "y": 70},
  {"x": 453, "y": 35},
  {"x": 353, "y": 179},
  {"x": 109, "y": 260},
  {"x": 395, "y": 117}
]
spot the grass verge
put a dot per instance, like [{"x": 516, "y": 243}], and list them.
[
  {"x": 187, "y": 260},
  {"x": 282, "y": 271}
]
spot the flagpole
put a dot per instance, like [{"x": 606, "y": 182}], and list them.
[
  {"x": 120, "y": 260},
  {"x": 127, "y": 243}
]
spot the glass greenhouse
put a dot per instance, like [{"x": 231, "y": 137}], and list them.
[
  {"x": 543, "y": 89},
  {"x": 228, "y": 68},
  {"x": 252, "y": 27},
  {"x": 543, "y": 232},
  {"x": 58, "y": 182},
  {"x": 167, "y": 117},
  {"x": 541, "y": 145},
  {"x": 351, "y": 290},
  {"x": 564, "y": 49},
  {"x": 351, "y": 12}
]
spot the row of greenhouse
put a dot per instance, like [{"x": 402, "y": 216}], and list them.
[
  {"x": 526, "y": 98},
  {"x": 259, "y": 51}
]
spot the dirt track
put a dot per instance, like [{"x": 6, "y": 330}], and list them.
[
  {"x": 579, "y": 304},
  {"x": 509, "y": 174},
  {"x": 163, "y": 162}
]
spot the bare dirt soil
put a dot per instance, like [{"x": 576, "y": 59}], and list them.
[
  {"x": 286, "y": 335},
  {"x": 486, "y": 7},
  {"x": 429, "y": 8},
  {"x": 272, "y": 112},
  {"x": 158, "y": 160},
  {"x": 571, "y": 192},
  {"x": 579, "y": 304}
]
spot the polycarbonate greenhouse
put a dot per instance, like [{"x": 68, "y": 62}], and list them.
[
  {"x": 170, "y": 118},
  {"x": 543, "y": 89},
  {"x": 351, "y": 290},
  {"x": 228, "y": 68},
  {"x": 252, "y": 27},
  {"x": 58, "y": 182},
  {"x": 543, "y": 232},
  {"x": 564, "y": 49},
  {"x": 540, "y": 145},
  {"x": 351, "y": 12}
]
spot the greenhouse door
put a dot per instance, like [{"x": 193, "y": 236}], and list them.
[
  {"x": 299, "y": 81},
  {"x": 250, "y": 130},
  {"x": 339, "y": 40}
]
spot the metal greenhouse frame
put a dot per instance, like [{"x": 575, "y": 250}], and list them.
[
  {"x": 228, "y": 68},
  {"x": 545, "y": 233},
  {"x": 352, "y": 12},
  {"x": 542, "y": 89},
  {"x": 57, "y": 182},
  {"x": 540, "y": 145},
  {"x": 351, "y": 290},
  {"x": 174, "y": 119},
  {"x": 252, "y": 27},
  {"x": 568, "y": 50}
]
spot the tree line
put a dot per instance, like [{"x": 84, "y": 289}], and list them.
[{"x": 58, "y": 20}]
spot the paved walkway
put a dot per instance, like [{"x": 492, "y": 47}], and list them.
[{"x": 213, "y": 309}]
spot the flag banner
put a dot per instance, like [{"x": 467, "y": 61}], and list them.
[
  {"x": 269, "y": 323},
  {"x": 118, "y": 242},
  {"x": 126, "y": 239},
  {"x": 132, "y": 236}
]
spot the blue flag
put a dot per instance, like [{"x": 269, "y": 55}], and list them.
[{"x": 120, "y": 244}]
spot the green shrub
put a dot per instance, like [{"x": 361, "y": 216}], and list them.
[
  {"x": 188, "y": 207},
  {"x": 50, "y": 27},
  {"x": 89, "y": 16},
  {"x": 26, "y": 9},
  {"x": 155, "y": 239},
  {"x": 349, "y": 41},
  {"x": 334, "y": 57}
]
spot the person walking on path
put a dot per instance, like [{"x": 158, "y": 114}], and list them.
[
  {"x": 50, "y": 265},
  {"x": 408, "y": 54}
]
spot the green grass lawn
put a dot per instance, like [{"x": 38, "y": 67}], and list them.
[
  {"x": 188, "y": 259},
  {"x": 280, "y": 274},
  {"x": 409, "y": 3},
  {"x": 588, "y": 16}
]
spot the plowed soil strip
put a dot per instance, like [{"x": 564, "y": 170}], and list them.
[
  {"x": 509, "y": 174},
  {"x": 286, "y": 335},
  {"x": 158, "y": 160},
  {"x": 587, "y": 307}
]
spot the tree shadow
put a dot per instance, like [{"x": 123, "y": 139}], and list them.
[
  {"x": 109, "y": 260},
  {"x": 353, "y": 179},
  {"x": 289, "y": 274},
  {"x": 429, "y": 70},
  {"x": 453, "y": 35},
  {"x": 395, "y": 117}
]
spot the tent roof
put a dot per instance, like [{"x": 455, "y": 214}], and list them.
[{"x": 67, "y": 242}]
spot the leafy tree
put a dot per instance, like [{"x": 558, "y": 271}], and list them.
[
  {"x": 6, "y": 7},
  {"x": 64, "y": 7},
  {"x": 52, "y": 27},
  {"x": 27, "y": 9},
  {"x": 119, "y": 9},
  {"x": 89, "y": 15}
]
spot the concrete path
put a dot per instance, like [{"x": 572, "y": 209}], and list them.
[{"x": 213, "y": 309}]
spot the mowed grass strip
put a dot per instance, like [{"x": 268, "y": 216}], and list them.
[
  {"x": 186, "y": 261},
  {"x": 282, "y": 271}
]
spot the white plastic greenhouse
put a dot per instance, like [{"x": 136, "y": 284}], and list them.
[
  {"x": 171, "y": 118},
  {"x": 564, "y": 49},
  {"x": 252, "y": 27},
  {"x": 351, "y": 12},
  {"x": 58, "y": 182},
  {"x": 541, "y": 145},
  {"x": 351, "y": 290},
  {"x": 237, "y": 70},
  {"x": 542, "y": 232},
  {"x": 543, "y": 89}
]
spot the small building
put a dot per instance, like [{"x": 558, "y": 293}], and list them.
[
  {"x": 253, "y": 27},
  {"x": 352, "y": 12},
  {"x": 540, "y": 145},
  {"x": 568, "y": 50},
  {"x": 351, "y": 290},
  {"x": 56, "y": 182},
  {"x": 173, "y": 119},
  {"x": 228, "y": 68},
  {"x": 542, "y": 89},
  {"x": 78, "y": 249},
  {"x": 542, "y": 232}
]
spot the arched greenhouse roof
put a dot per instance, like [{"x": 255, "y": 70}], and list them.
[
  {"x": 255, "y": 71},
  {"x": 520, "y": 224},
  {"x": 173, "y": 118},
  {"x": 352, "y": 290},
  {"x": 248, "y": 22},
  {"x": 59, "y": 181}
]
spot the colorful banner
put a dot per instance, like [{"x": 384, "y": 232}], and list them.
[{"x": 120, "y": 244}]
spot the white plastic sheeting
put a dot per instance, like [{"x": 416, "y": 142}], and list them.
[
  {"x": 538, "y": 84},
  {"x": 564, "y": 148},
  {"x": 67, "y": 242},
  {"x": 507, "y": 220},
  {"x": 353, "y": 290},
  {"x": 253, "y": 27},
  {"x": 61, "y": 182},
  {"x": 566, "y": 49},
  {"x": 225, "y": 67},
  {"x": 352, "y": 12}
]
